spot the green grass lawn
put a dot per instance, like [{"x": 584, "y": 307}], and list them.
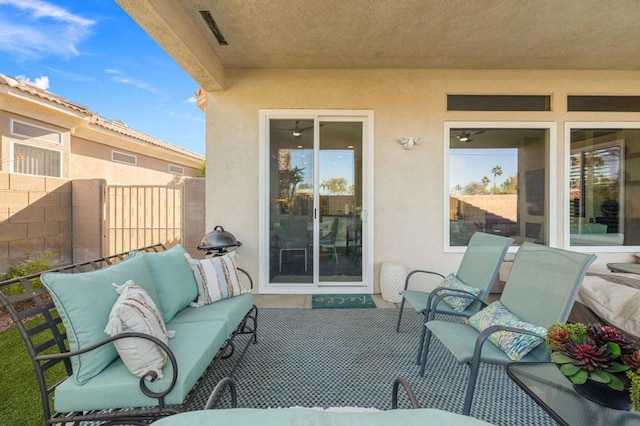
[{"x": 21, "y": 403}]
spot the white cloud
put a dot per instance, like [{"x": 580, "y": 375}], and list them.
[
  {"x": 34, "y": 28},
  {"x": 40, "y": 82},
  {"x": 192, "y": 100},
  {"x": 136, "y": 83}
]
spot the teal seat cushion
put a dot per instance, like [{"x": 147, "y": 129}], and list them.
[
  {"x": 308, "y": 416},
  {"x": 84, "y": 302},
  {"x": 232, "y": 311},
  {"x": 460, "y": 339},
  {"x": 173, "y": 278},
  {"x": 194, "y": 346}
]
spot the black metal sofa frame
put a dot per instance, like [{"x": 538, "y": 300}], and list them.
[{"x": 35, "y": 316}]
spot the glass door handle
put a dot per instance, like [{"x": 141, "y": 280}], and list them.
[{"x": 363, "y": 215}]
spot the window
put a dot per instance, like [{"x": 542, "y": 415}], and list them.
[
  {"x": 498, "y": 103},
  {"x": 31, "y": 160},
  {"x": 26, "y": 130},
  {"x": 604, "y": 187},
  {"x": 176, "y": 169},
  {"x": 498, "y": 183},
  {"x": 120, "y": 157},
  {"x": 604, "y": 103}
]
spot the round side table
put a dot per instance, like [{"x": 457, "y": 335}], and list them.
[{"x": 392, "y": 277}]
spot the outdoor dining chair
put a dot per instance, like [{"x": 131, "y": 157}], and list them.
[
  {"x": 540, "y": 290},
  {"x": 479, "y": 268}
]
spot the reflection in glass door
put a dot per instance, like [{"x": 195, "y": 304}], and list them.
[
  {"x": 339, "y": 240},
  {"x": 315, "y": 201},
  {"x": 291, "y": 186}
]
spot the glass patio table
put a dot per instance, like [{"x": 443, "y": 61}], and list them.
[{"x": 544, "y": 383}]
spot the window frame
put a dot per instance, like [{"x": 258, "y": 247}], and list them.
[
  {"x": 12, "y": 132},
  {"x": 551, "y": 165},
  {"x": 180, "y": 173},
  {"x": 566, "y": 184},
  {"x": 12, "y": 154},
  {"x": 135, "y": 158}
]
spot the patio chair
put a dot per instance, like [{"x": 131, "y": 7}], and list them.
[
  {"x": 541, "y": 289},
  {"x": 294, "y": 237},
  {"x": 328, "y": 241},
  {"x": 479, "y": 268}
]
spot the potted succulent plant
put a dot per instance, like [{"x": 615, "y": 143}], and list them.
[{"x": 601, "y": 361}]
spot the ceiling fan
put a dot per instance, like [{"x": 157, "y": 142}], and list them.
[
  {"x": 465, "y": 136},
  {"x": 296, "y": 130}
]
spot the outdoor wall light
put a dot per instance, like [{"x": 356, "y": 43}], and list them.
[{"x": 408, "y": 143}]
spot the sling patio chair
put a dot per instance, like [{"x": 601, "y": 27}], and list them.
[
  {"x": 479, "y": 269},
  {"x": 541, "y": 289}
]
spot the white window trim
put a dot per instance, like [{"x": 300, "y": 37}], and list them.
[
  {"x": 181, "y": 172},
  {"x": 12, "y": 155},
  {"x": 135, "y": 158},
  {"x": 551, "y": 166},
  {"x": 565, "y": 198},
  {"x": 13, "y": 133},
  {"x": 263, "y": 264}
]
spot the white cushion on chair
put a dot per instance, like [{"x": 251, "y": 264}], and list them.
[{"x": 134, "y": 311}]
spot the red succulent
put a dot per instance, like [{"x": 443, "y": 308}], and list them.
[
  {"x": 588, "y": 356},
  {"x": 601, "y": 335}
]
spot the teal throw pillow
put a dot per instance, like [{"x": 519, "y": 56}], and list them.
[
  {"x": 173, "y": 279},
  {"x": 84, "y": 302},
  {"x": 458, "y": 304},
  {"x": 515, "y": 345}
]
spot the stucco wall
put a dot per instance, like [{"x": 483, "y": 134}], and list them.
[
  {"x": 90, "y": 159},
  {"x": 409, "y": 194}
]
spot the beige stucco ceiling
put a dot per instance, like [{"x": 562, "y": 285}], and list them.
[{"x": 448, "y": 34}]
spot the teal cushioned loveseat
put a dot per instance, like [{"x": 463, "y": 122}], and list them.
[{"x": 75, "y": 306}]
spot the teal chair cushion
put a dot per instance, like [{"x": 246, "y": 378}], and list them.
[
  {"x": 173, "y": 278},
  {"x": 231, "y": 311},
  {"x": 84, "y": 302},
  {"x": 515, "y": 345},
  {"x": 194, "y": 346}
]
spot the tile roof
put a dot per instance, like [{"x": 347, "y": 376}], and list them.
[{"x": 116, "y": 126}]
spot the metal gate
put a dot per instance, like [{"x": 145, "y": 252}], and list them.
[{"x": 138, "y": 216}]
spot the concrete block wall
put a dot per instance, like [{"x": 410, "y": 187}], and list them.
[
  {"x": 87, "y": 215},
  {"x": 35, "y": 217},
  {"x": 194, "y": 218},
  {"x": 65, "y": 217}
]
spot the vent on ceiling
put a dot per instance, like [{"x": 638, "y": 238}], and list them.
[{"x": 211, "y": 23}]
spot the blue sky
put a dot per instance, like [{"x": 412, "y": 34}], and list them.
[
  {"x": 94, "y": 54},
  {"x": 471, "y": 165}
]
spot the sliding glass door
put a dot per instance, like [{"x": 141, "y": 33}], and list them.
[{"x": 316, "y": 202}]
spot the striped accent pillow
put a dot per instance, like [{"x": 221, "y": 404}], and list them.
[
  {"x": 135, "y": 311},
  {"x": 217, "y": 278}
]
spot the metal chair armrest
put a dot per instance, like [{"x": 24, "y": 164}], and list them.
[
  {"x": 416, "y": 271},
  {"x": 150, "y": 376},
  {"x": 394, "y": 396}
]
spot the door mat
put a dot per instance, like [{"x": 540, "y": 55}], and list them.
[{"x": 342, "y": 301}]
